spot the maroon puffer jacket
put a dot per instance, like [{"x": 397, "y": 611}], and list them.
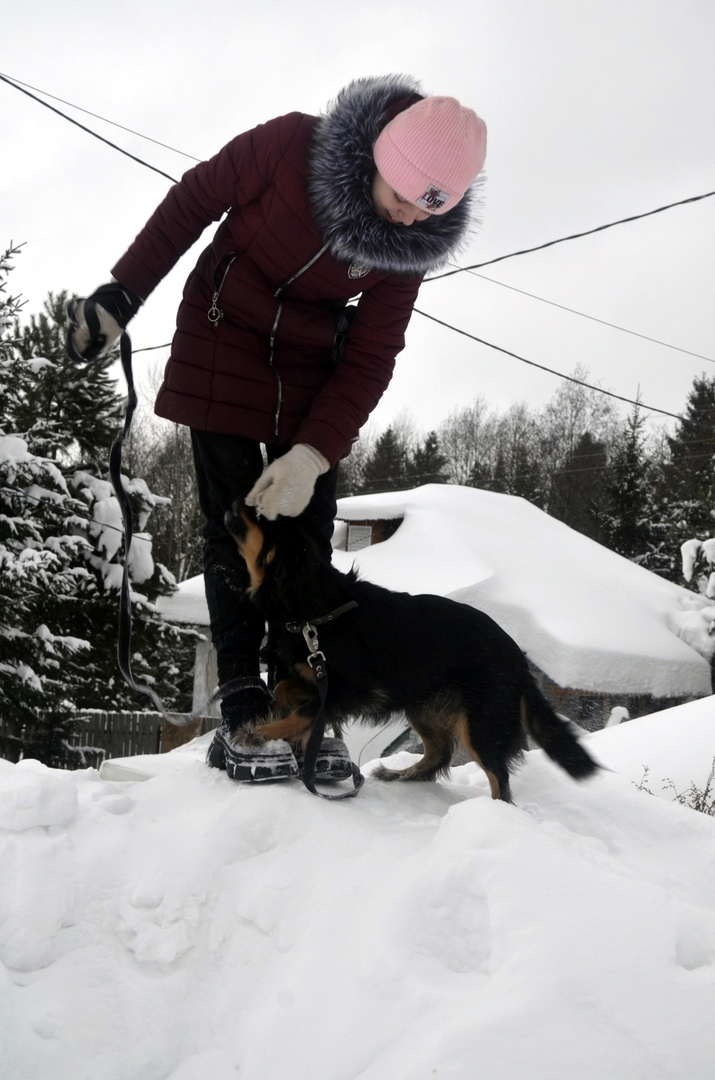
[{"x": 257, "y": 360}]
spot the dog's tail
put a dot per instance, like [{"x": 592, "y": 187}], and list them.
[{"x": 553, "y": 734}]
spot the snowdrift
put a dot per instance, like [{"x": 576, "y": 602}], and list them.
[{"x": 187, "y": 927}]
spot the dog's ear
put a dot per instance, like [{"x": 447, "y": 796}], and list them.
[{"x": 253, "y": 545}]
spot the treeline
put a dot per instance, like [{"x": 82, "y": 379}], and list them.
[{"x": 627, "y": 483}]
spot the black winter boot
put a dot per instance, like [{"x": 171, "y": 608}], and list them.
[
  {"x": 333, "y": 761},
  {"x": 233, "y": 749}
]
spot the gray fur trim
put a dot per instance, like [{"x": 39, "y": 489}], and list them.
[{"x": 340, "y": 186}]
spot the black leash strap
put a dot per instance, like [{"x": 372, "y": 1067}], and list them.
[
  {"x": 124, "y": 639},
  {"x": 299, "y": 627},
  {"x": 318, "y": 664}
]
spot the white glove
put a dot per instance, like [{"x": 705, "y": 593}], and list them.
[{"x": 287, "y": 485}]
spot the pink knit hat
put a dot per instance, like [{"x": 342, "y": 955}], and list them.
[{"x": 431, "y": 152}]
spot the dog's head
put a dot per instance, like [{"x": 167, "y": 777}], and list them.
[{"x": 280, "y": 556}]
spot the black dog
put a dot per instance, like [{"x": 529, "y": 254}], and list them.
[{"x": 456, "y": 675}]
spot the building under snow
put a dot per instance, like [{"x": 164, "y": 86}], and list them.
[{"x": 599, "y": 630}]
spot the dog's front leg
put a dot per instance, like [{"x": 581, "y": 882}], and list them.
[
  {"x": 295, "y": 727},
  {"x": 290, "y": 694},
  {"x": 296, "y": 704}
]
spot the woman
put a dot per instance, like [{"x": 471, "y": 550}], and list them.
[{"x": 364, "y": 200}]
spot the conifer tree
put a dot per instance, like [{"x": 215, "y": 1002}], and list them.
[
  {"x": 578, "y": 486},
  {"x": 61, "y": 546},
  {"x": 627, "y": 515},
  {"x": 161, "y": 453},
  {"x": 33, "y": 500},
  {"x": 690, "y": 473},
  {"x": 70, "y": 411},
  {"x": 427, "y": 465},
  {"x": 386, "y": 469}
]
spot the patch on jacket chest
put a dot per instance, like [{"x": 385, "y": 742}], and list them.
[{"x": 358, "y": 270}]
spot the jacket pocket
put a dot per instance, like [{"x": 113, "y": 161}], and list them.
[{"x": 342, "y": 332}]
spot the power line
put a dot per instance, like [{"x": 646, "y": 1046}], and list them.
[
  {"x": 21, "y": 87},
  {"x": 19, "y": 83},
  {"x": 542, "y": 367},
  {"x": 89, "y": 131},
  {"x": 573, "y": 236},
  {"x": 593, "y": 318}
]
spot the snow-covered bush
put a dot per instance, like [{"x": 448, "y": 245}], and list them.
[{"x": 61, "y": 548}]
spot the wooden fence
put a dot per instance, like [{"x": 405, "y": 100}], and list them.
[
  {"x": 103, "y": 735},
  {"x": 100, "y": 735}
]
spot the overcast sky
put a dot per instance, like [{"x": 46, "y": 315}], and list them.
[{"x": 596, "y": 110}]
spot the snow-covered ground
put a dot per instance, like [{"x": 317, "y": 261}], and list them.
[{"x": 188, "y": 928}]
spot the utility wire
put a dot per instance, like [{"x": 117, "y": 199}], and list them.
[
  {"x": 593, "y": 318},
  {"x": 573, "y": 236},
  {"x": 88, "y": 112},
  {"x": 18, "y": 85},
  {"x": 18, "y": 493},
  {"x": 542, "y": 367},
  {"x": 89, "y": 131},
  {"x": 436, "y": 277}
]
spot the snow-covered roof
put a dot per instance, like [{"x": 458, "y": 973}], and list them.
[{"x": 587, "y": 617}]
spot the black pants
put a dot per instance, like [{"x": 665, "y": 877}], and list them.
[{"x": 227, "y": 467}]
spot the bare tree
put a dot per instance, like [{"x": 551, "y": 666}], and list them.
[{"x": 466, "y": 439}]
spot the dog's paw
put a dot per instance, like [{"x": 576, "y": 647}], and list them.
[
  {"x": 420, "y": 772},
  {"x": 381, "y": 772},
  {"x": 249, "y": 735}
]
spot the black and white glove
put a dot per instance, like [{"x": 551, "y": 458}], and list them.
[
  {"x": 286, "y": 486},
  {"x": 97, "y": 323}
]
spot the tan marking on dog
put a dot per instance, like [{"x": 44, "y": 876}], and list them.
[
  {"x": 433, "y": 722},
  {"x": 292, "y": 728},
  {"x": 305, "y": 671},
  {"x": 250, "y": 547},
  {"x": 462, "y": 733},
  {"x": 290, "y": 694}
]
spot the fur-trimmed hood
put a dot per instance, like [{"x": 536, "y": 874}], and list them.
[{"x": 342, "y": 169}]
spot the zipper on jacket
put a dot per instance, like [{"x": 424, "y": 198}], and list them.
[
  {"x": 215, "y": 314},
  {"x": 274, "y": 331}
]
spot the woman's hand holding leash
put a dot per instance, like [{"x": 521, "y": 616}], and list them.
[{"x": 97, "y": 323}]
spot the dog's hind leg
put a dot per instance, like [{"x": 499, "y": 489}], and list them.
[
  {"x": 492, "y": 751},
  {"x": 434, "y": 727}
]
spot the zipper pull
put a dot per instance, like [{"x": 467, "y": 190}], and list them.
[{"x": 214, "y": 313}]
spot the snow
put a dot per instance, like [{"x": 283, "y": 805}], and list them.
[
  {"x": 141, "y": 561},
  {"x": 590, "y": 619},
  {"x": 174, "y": 925},
  {"x": 13, "y": 448},
  {"x": 188, "y": 927},
  {"x": 14, "y": 452}
]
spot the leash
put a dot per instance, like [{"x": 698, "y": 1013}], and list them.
[
  {"x": 319, "y": 667},
  {"x": 124, "y": 636}
]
